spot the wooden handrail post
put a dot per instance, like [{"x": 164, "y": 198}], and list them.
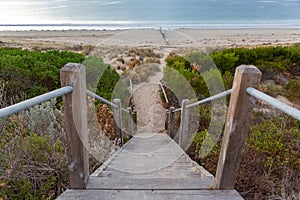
[
  {"x": 184, "y": 123},
  {"x": 75, "y": 111},
  {"x": 118, "y": 119},
  {"x": 134, "y": 119},
  {"x": 171, "y": 122},
  {"x": 236, "y": 127},
  {"x": 130, "y": 121},
  {"x": 167, "y": 119}
]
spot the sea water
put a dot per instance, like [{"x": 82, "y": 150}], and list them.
[{"x": 167, "y": 14}]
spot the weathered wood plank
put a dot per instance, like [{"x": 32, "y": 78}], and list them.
[
  {"x": 125, "y": 183},
  {"x": 184, "y": 125},
  {"x": 118, "y": 120},
  {"x": 75, "y": 112},
  {"x": 151, "y": 195},
  {"x": 152, "y": 155},
  {"x": 236, "y": 127},
  {"x": 171, "y": 123}
]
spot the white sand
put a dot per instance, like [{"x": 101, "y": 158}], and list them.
[{"x": 208, "y": 38}]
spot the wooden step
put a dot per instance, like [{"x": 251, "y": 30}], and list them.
[
  {"x": 128, "y": 183},
  {"x": 153, "y": 167},
  {"x": 150, "y": 195}
]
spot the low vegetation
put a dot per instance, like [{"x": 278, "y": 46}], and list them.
[
  {"x": 33, "y": 162},
  {"x": 271, "y": 163}
]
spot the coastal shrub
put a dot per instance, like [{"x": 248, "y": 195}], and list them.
[
  {"x": 271, "y": 88},
  {"x": 198, "y": 79},
  {"x": 33, "y": 167},
  {"x": 225, "y": 61},
  {"x": 33, "y": 163},
  {"x": 174, "y": 79},
  {"x": 295, "y": 54},
  {"x": 94, "y": 69},
  {"x": 270, "y": 162},
  {"x": 292, "y": 90},
  {"x": 177, "y": 62},
  {"x": 203, "y": 61},
  {"x": 271, "y": 58},
  {"x": 33, "y": 72},
  {"x": 107, "y": 83}
]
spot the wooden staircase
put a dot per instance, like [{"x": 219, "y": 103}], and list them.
[{"x": 150, "y": 166}]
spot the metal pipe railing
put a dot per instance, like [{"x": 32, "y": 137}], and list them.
[
  {"x": 13, "y": 109},
  {"x": 212, "y": 98},
  {"x": 95, "y": 96},
  {"x": 164, "y": 92},
  {"x": 209, "y": 99},
  {"x": 176, "y": 110},
  {"x": 125, "y": 110},
  {"x": 291, "y": 111}
]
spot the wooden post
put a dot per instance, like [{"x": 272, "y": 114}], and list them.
[
  {"x": 130, "y": 121},
  {"x": 75, "y": 112},
  {"x": 134, "y": 120},
  {"x": 118, "y": 119},
  {"x": 236, "y": 127},
  {"x": 166, "y": 119},
  {"x": 171, "y": 122},
  {"x": 184, "y": 123}
]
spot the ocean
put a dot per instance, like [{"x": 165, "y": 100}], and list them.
[{"x": 166, "y": 14}]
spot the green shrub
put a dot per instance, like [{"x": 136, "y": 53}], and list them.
[
  {"x": 271, "y": 153},
  {"x": 225, "y": 61},
  {"x": 293, "y": 91},
  {"x": 178, "y": 62},
  {"x": 204, "y": 80},
  {"x": 107, "y": 83},
  {"x": 279, "y": 59},
  {"x": 33, "y": 72},
  {"x": 37, "y": 169}
]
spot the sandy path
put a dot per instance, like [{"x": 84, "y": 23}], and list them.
[{"x": 150, "y": 113}]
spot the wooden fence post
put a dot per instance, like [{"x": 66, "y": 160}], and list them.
[
  {"x": 130, "y": 121},
  {"x": 166, "y": 119},
  {"x": 118, "y": 119},
  {"x": 236, "y": 127},
  {"x": 171, "y": 122},
  {"x": 184, "y": 123},
  {"x": 75, "y": 112}
]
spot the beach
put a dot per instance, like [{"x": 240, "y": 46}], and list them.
[{"x": 196, "y": 38}]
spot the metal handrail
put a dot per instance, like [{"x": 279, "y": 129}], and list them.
[
  {"x": 177, "y": 110},
  {"x": 164, "y": 92},
  {"x": 291, "y": 111},
  {"x": 212, "y": 98},
  {"x": 209, "y": 99},
  {"x": 95, "y": 96},
  {"x": 4, "y": 112},
  {"x": 124, "y": 110}
]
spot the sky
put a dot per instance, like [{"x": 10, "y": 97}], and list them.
[{"x": 58, "y": 11}]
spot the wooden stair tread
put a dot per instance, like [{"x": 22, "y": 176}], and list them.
[
  {"x": 151, "y": 195},
  {"x": 151, "y": 167}
]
